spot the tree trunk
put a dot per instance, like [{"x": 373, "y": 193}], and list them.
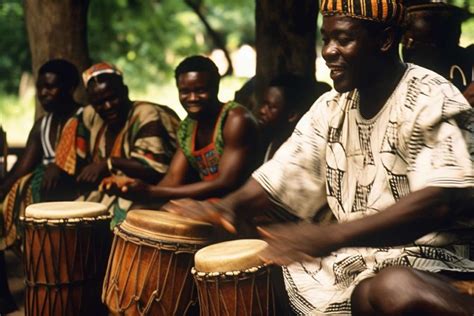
[
  {"x": 285, "y": 39},
  {"x": 58, "y": 29}
]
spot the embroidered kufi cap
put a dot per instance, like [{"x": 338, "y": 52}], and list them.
[
  {"x": 98, "y": 69},
  {"x": 386, "y": 11}
]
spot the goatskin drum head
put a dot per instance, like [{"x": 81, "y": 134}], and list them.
[
  {"x": 65, "y": 210},
  {"x": 235, "y": 255},
  {"x": 158, "y": 225}
]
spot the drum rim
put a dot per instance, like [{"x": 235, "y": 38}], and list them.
[
  {"x": 62, "y": 208},
  {"x": 230, "y": 274},
  {"x": 166, "y": 224},
  {"x": 64, "y": 221},
  {"x": 161, "y": 241},
  {"x": 232, "y": 255}
]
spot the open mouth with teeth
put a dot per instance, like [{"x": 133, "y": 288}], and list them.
[{"x": 336, "y": 71}]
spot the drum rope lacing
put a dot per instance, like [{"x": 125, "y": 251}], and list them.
[
  {"x": 118, "y": 290},
  {"x": 159, "y": 244},
  {"x": 206, "y": 279},
  {"x": 73, "y": 265}
]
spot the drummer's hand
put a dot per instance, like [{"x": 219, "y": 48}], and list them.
[
  {"x": 294, "y": 243},
  {"x": 129, "y": 188},
  {"x": 51, "y": 178},
  {"x": 213, "y": 212},
  {"x": 93, "y": 172}
]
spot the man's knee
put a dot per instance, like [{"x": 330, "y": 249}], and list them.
[
  {"x": 390, "y": 292},
  {"x": 360, "y": 304}
]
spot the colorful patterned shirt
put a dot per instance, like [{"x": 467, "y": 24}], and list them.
[{"x": 205, "y": 160}]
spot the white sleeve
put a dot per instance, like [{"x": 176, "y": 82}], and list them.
[
  {"x": 295, "y": 177},
  {"x": 438, "y": 138}
]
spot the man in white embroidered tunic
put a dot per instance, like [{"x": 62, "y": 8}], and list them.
[{"x": 390, "y": 150}]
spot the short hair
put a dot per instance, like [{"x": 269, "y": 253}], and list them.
[
  {"x": 444, "y": 21},
  {"x": 198, "y": 63},
  {"x": 111, "y": 78},
  {"x": 64, "y": 69},
  {"x": 299, "y": 91}
]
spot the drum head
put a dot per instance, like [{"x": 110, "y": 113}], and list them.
[
  {"x": 65, "y": 210},
  {"x": 235, "y": 255},
  {"x": 164, "y": 226}
]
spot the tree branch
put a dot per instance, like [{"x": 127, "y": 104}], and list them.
[{"x": 217, "y": 39}]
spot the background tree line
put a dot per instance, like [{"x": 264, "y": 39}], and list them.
[{"x": 147, "y": 38}]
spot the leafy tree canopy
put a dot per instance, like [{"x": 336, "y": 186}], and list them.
[{"x": 145, "y": 38}]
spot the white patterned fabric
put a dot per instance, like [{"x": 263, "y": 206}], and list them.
[{"x": 423, "y": 136}]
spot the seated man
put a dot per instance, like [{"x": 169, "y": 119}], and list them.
[
  {"x": 431, "y": 40},
  {"x": 31, "y": 179},
  {"x": 115, "y": 135},
  {"x": 390, "y": 151},
  {"x": 285, "y": 101},
  {"x": 217, "y": 142},
  {"x": 27, "y": 182}
]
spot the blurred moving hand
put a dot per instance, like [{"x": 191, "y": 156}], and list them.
[
  {"x": 210, "y": 211},
  {"x": 93, "y": 172},
  {"x": 52, "y": 176},
  {"x": 129, "y": 188},
  {"x": 295, "y": 242}
]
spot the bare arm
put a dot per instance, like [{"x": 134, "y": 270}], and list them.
[
  {"x": 414, "y": 216},
  {"x": 135, "y": 169},
  {"x": 31, "y": 157},
  {"x": 246, "y": 202},
  {"x": 240, "y": 143},
  {"x": 177, "y": 172}
]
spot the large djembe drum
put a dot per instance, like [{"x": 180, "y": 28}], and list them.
[
  {"x": 232, "y": 280},
  {"x": 150, "y": 264},
  {"x": 66, "y": 246}
]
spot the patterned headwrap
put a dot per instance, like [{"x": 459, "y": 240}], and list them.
[
  {"x": 98, "y": 69},
  {"x": 386, "y": 11}
]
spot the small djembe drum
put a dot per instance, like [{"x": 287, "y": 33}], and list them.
[
  {"x": 66, "y": 246},
  {"x": 232, "y": 279},
  {"x": 150, "y": 264}
]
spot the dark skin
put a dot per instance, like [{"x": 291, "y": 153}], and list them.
[
  {"x": 57, "y": 98},
  {"x": 275, "y": 119},
  {"x": 347, "y": 49},
  {"x": 199, "y": 98},
  {"x": 110, "y": 100},
  {"x": 421, "y": 45}
]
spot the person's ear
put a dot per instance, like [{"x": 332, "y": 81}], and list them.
[
  {"x": 293, "y": 117},
  {"x": 387, "y": 39}
]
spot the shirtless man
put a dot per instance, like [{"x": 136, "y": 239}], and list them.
[{"x": 217, "y": 142}]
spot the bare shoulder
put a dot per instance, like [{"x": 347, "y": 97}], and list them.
[
  {"x": 240, "y": 116},
  {"x": 36, "y": 129},
  {"x": 240, "y": 126}
]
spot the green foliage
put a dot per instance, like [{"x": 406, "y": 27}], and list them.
[
  {"x": 16, "y": 117},
  {"x": 146, "y": 39},
  {"x": 15, "y": 54}
]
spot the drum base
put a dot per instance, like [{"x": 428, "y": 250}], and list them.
[
  {"x": 244, "y": 294},
  {"x": 68, "y": 300},
  {"x": 65, "y": 265},
  {"x": 146, "y": 277}
]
